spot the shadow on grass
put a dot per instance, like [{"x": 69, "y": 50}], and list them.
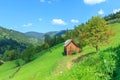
[
  {"x": 63, "y": 53},
  {"x": 116, "y": 71},
  {"x": 82, "y": 57}
]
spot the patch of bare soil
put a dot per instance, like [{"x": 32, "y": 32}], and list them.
[{"x": 78, "y": 59}]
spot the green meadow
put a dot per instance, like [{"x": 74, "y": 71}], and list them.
[{"x": 86, "y": 65}]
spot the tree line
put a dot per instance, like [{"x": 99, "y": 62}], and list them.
[{"x": 112, "y": 18}]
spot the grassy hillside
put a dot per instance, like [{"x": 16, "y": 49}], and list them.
[
  {"x": 35, "y": 70},
  {"x": 99, "y": 66},
  {"x": 49, "y": 64},
  {"x": 87, "y": 65}
]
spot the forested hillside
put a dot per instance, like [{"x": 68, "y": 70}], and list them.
[
  {"x": 13, "y": 43},
  {"x": 9, "y": 44},
  {"x": 17, "y": 36},
  {"x": 112, "y": 18}
]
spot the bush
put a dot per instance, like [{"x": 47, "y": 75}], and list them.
[
  {"x": 10, "y": 55},
  {"x": 74, "y": 52},
  {"x": 28, "y": 53},
  {"x": 20, "y": 62},
  {"x": 1, "y": 62}
]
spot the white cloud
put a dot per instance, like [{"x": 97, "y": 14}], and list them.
[
  {"x": 40, "y": 19},
  {"x": 101, "y": 12},
  {"x": 28, "y": 25},
  {"x": 92, "y": 2},
  {"x": 47, "y": 1},
  {"x": 42, "y": 1},
  {"x": 58, "y": 21},
  {"x": 116, "y": 10},
  {"x": 74, "y": 21}
]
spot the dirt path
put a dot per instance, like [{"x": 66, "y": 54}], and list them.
[
  {"x": 78, "y": 59},
  {"x": 69, "y": 64},
  {"x": 12, "y": 75}
]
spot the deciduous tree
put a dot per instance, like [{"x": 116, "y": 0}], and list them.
[{"x": 97, "y": 32}]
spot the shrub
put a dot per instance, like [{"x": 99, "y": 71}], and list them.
[
  {"x": 74, "y": 52},
  {"x": 20, "y": 62}
]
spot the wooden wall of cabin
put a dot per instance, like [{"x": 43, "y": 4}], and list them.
[{"x": 71, "y": 48}]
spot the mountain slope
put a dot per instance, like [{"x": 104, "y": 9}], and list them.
[
  {"x": 35, "y": 34},
  {"x": 59, "y": 33},
  {"x": 40, "y": 69},
  {"x": 42, "y": 35},
  {"x": 18, "y": 36},
  {"x": 52, "y": 65}
]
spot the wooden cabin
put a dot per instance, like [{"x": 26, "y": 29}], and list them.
[{"x": 70, "y": 47}]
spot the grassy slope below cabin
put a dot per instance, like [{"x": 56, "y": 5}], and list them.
[
  {"x": 35, "y": 70},
  {"x": 54, "y": 66}
]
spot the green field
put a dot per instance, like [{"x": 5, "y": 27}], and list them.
[
  {"x": 35, "y": 70},
  {"x": 52, "y": 65}
]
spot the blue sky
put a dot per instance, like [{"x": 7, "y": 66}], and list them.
[{"x": 52, "y": 15}]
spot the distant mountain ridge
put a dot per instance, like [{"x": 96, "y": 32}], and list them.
[
  {"x": 34, "y": 34},
  {"x": 28, "y": 37},
  {"x": 60, "y": 33},
  {"x": 42, "y": 35}
]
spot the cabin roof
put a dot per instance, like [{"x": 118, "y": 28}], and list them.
[{"x": 67, "y": 42}]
